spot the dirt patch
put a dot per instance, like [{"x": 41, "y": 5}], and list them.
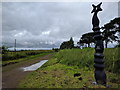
[{"x": 12, "y": 74}]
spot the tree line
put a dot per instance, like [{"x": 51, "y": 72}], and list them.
[
  {"x": 110, "y": 33},
  {"x": 67, "y": 44}
]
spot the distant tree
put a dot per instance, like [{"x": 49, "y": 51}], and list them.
[
  {"x": 71, "y": 43},
  {"x": 86, "y": 38},
  {"x": 118, "y": 45},
  {"x": 4, "y": 49},
  {"x": 55, "y": 49},
  {"x": 63, "y": 45},
  {"x": 109, "y": 36},
  {"x": 68, "y": 44},
  {"x": 110, "y": 30}
]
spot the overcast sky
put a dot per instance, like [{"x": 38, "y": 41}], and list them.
[{"x": 50, "y": 22}]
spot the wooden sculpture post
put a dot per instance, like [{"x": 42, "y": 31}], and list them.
[{"x": 99, "y": 73}]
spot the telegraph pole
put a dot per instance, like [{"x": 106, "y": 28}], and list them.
[{"x": 15, "y": 46}]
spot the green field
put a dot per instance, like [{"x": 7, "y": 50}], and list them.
[
  {"x": 59, "y": 71},
  {"x": 18, "y": 56}
]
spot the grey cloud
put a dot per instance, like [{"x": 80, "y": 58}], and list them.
[{"x": 50, "y": 22}]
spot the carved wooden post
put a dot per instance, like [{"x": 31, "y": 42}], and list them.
[{"x": 99, "y": 73}]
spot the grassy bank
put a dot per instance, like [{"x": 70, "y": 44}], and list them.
[
  {"x": 60, "y": 70},
  {"x": 83, "y": 58},
  {"x": 11, "y": 55},
  {"x": 15, "y": 57}
]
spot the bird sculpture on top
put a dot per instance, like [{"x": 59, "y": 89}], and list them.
[{"x": 95, "y": 20}]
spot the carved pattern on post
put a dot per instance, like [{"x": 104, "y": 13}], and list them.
[{"x": 99, "y": 73}]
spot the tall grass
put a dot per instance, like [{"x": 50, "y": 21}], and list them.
[
  {"x": 76, "y": 57},
  {"x": 85, "y": 58},
  {"x": 112, "y": 59}
]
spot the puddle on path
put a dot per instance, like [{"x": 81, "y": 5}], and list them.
[{"x": 34, "y": 66}]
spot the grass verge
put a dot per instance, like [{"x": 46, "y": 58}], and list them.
[
  {"x": 59, "y": 71},
  {"x": 24, "y": 59}
]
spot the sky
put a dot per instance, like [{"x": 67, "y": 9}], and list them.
[{"x": 36, "y": 23}]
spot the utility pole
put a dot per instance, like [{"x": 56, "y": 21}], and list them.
[{"x": 15, "y": 46}]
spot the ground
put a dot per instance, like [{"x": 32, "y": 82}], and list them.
[
  {"x": 12, "y": 74},
  {"x": 61, "y": 70}
]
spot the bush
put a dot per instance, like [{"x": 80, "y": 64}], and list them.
[{"x": 4, "y": 49}]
